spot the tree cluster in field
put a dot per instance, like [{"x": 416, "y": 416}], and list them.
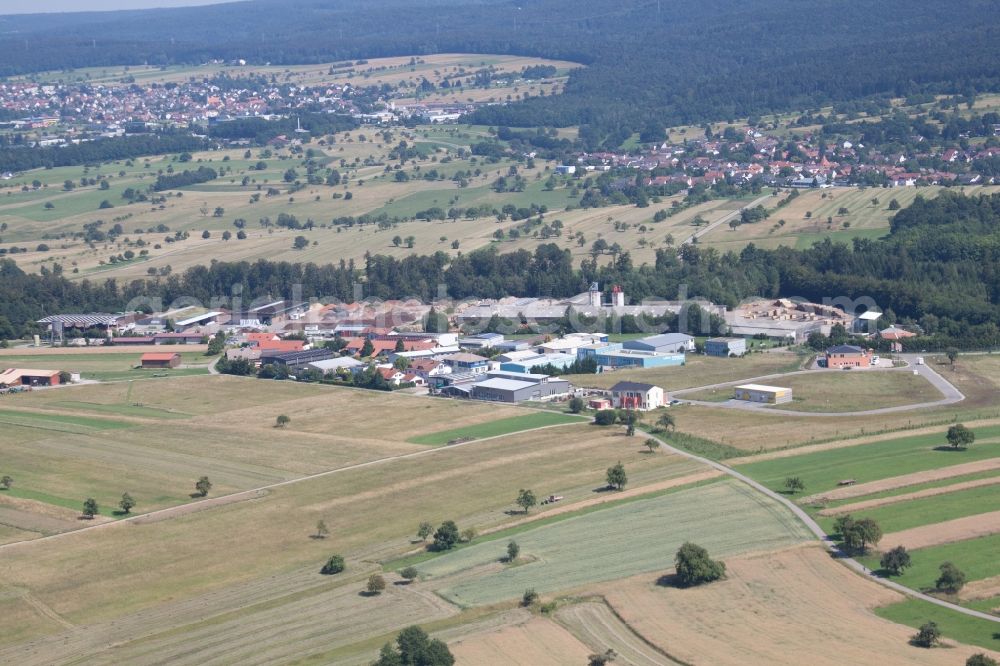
[
  {"x": 857, "y": 535},
  {"x": 174, "y": 181},
  {"x": 415, "y": 648},
  {"x": 16, "y": 158}
]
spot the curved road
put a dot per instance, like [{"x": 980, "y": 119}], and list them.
[
  {"x": 949, "y": 394},
  {"x": 823, "y": 536}
]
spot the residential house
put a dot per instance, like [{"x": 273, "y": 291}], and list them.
[
  {"x": 636, "y": 395},
  {"x": 848, "y": 356}
]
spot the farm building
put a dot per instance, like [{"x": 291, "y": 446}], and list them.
[
  {"x": 725, "y": 347},
  {"x": 24, "y": 377},
  {"x": 154, "y": 360},
  {"x": 108, "y": 323},
  {"x": 178, "y": 339},
  {"x": 772, "y": 395},
  {"x": 295, "y": 359},
  {"x": 667, "y": 343},
  {"x": 635, "y": 395},
  {"x": 213, "y": 317},
  {"x": 848, "y": 356}
]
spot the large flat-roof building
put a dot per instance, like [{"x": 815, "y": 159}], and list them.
[
  {"x": 771, "y": 395},
  {"x": 665, "y": 343},
  {"x": 506, "y": 389},
  {"x": 27, "y": 377},
  {"x": 295, "y": 359},
  {"x": 725, "y": 347}
]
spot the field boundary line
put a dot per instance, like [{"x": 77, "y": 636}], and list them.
[
  {"x": 824, "y": 538},
  {"x": 255, "y": 493}
]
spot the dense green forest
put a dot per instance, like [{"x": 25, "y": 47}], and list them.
[
  {"x": 938, "y": 269},
  {"x": 650, "y": 63},
  {"x": 15, "y": 157}
]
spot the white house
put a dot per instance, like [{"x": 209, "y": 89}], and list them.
[{"x": 634, "y": 395}]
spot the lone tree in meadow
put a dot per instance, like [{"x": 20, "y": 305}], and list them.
[
  {"x": 90, "y": 508},
  {"x": 334, "y": 565},
  {"x": 513, "y": 550},
  {"x": 928, "y": 636},
  {"x": 409, "y": 574},
  {"x": 526, "y": 499},
  {"x": 446, "y": 536},
  {"x": 666, "y": 421},
  {"x": 695, "y": 567},
  {"x": 960, "y": 437},
  {"x": 616, "y": 476},
  {"x": 950, "y": 580},
  {"x": 425, "y": 530},
  {"x": 794, "y": 484},
  {"x": 895, "y": 561},
  {"x": 529, "y": 597},
  {"x": 980, "y": 660},
  {"x": 321, "y": 530},
  {"x": 576, "y": 404},
  {"x": 376, "y": 585},
  {"x": 652, "y": 444},
  {"x": 602, "y": 658},
  {"x": 202, "y": 486},
  {"x": 6, "y": 482},
  {"x": 857, "y": 535},
  {"x": 952, "y": 354},
  {"x": 127, "y": 503},
  {"x": 282, "y": 421}
]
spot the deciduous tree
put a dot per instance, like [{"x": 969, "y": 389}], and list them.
[
  {"x": 127, "y": 503},
  {"x": 895, "y": 561},
  {"x": 202, "y": 486},
  {"x": 950, "y": 580},
  {"x": 960, "y": 437},
  {"x": 616, "y": 476},
  {"x": 526, "y": 499},
  {"x": 90, "y": 508},
  {"x": 334, "y": 565},
  {"x": 695, "y": 567}
]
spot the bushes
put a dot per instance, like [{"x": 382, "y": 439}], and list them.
[{"x": 334, "y": 565}]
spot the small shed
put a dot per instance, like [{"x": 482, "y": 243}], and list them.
[
  {"x": 160, "y": 360},
  {"x": 772, "y": 395}
]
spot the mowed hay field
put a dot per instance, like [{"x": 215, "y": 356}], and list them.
[
  {"x": 726, "y": 517},
  {"x": 774, "y": 608},
  {"x": 155, "y": 439},
  {"x": 99, "y": 576}
]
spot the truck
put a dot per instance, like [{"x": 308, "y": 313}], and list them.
[{"x": 920, "y": 360}]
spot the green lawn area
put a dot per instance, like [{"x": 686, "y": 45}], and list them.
[
  {"x": 977, "y": 558},
  {"x": 59, "y": 422},
  {"x": 108, "y": 366},
  {"x": 119, "y": 409},
  {"x": 928, "y": 510},
  {"x": 954, "y": 626},
  {"x": 840, "y": 391},
  {"x": 869, "y": 462},
  {"x": 496, "y": 428},
  {"x": 76, "y": 505}
]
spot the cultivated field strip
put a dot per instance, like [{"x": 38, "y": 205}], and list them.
[
  {"x": 918, "y": 494},
  {"x": 596, "y": 625},
  {"x": 528, "y": 643},
  {"x": 726, "y": 517},
  {"x": 935, "y": 534}
]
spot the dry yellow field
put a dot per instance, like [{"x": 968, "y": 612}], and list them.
[
  {"x": 770, "y": 607},
  {"x": 959, "y": 529},
  {"x": 538, "y": 641}
]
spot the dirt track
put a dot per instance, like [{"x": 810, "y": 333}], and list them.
[
  {"x": 905, "y": 497},
  {"x": 960, "y": 529},
  {"x": 904, "y": 480}
]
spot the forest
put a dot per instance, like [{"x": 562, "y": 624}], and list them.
[
  {"x": 649, "y": 63},
  {"x": 22, "y": 158},
  {"x": 938, "y": 271}
]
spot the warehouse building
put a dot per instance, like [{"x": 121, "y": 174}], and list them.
[
  {"x": 725, "y": 347},
  {"x": 508, "y": 389},
  {"x": 667, "y": 343},
  {"x": 295, "y": 359},
  {"x": 770, "y": 395}
]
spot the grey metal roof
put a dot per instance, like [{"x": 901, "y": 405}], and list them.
[
  {"x": 631, "y": 386},
  {"x": 505, "y": 384}
]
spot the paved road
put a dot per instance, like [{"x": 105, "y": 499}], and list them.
[
  {"x": 724, "y": 220},
  {"x": 823, "y": 536},
  {"x": 949, "y": 394}
]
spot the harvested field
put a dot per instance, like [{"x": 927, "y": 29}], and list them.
[
  {"x": 958, "y": 529},
  {"x": 596, "y": 625},
  {"x": 738, "y": 520},
  {"x": 893, "y": 482},
  {"x": 905, "y": 497},
  {"x": 771, "y": 606},
  {"x": 537, "y": 641},
  {"x": 829, "y": 391},
  {"x": 473, "y": 485},
  {"x": 981, "y": 589},
  {"x": 930, "y": 511}
]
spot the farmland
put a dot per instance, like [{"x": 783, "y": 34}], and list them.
[
  {"x": 495, "y": 428},
  {"x": 738, "y": 521},
  {"x": 110, "y": 365}
]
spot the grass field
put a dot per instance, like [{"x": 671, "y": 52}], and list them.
[
  {"x": 495, "y": 428},
  {"x": 977, "y": 558},
  {"x": 738, "y": 520},
  {"x": 868, "y": 462},
  {"x": 697, "y": 371},
  {"x": 954, "y": 626}
]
